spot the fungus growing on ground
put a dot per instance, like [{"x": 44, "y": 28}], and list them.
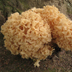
[
  {"x": 28, "y": 35},
  {"x": 60, "y": 25},
  {"x": 31, "y": 33}
]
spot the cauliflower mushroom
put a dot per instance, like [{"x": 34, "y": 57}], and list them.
[
  {"x": 60, "y": 25},
  {"x": 28, "y": 35}
]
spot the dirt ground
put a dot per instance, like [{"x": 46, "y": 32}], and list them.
[{"x": 60, "y": 61}]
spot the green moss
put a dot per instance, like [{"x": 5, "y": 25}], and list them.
[
  {"x": 69, "y": 8},
  {"x": 1, "y": 5},
  {"x": 25, "y": 5}
]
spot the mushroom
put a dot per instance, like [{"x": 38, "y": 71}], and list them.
[{"x": 28, "y": 35}]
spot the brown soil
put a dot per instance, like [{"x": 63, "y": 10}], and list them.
[{"x": 60, "y": 61}]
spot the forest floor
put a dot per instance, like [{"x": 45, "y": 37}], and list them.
[{"x": 59, "y": 62}]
